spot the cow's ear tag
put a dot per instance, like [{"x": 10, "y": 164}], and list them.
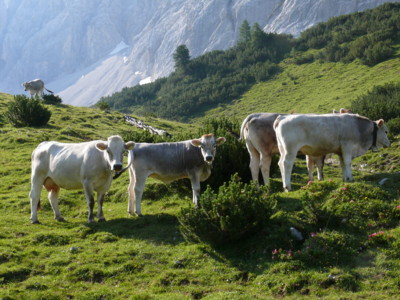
[
  {"x": 101, "y": 146},
  {"x": 221, "y": 140},
  {"x": 196, "y": 143}
]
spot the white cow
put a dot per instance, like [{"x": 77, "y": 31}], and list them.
[
  {"x": 88, "y": 166},
  {"x": 35, "y": 87},
  {"x": 258, "y": 133},
  {"x": 169, "y": 162},
  {"x": 347, "y": 135}
]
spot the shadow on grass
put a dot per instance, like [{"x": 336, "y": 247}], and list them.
[{"x": 159, "y": 229}]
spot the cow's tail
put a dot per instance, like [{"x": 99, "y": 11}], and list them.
[
  {"x": 130, "y": 161},
  {"x": 277, "y": 121},
  {"x": 245, "y": 127},
  {"x": 51, "y": 92}
]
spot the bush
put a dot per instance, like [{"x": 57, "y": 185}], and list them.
[
  {"x": 52, "y": 99},
  {"x": 394, "y": 127},
  {"x": 24, "y": 111},
  {"x": 235, "y": 212},
  {"x": 329, "y": 248},
  {"x": 383, "y": 102},
  {"x": 103, "y": 105}
]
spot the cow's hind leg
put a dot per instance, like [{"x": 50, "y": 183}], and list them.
[
  {"x": 34, "y": 195},
  {"x": 266, "y": 167},
  {"x": 53, "y": 190},
  {"x": 254, "y": 162}
]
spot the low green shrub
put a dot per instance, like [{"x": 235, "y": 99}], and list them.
[
  {"x": 52, "y": 99},
  {"x": 328, "y": 248},
  {"x": 361, "y": 206},
  {"x": 235, "y": 212},
  {"x": 24, "y": 111}
]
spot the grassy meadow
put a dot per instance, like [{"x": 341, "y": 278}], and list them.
[{"x": 351, "y": 246}]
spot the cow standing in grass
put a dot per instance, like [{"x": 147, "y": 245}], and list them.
[
  {"x": 35, "y": 87},
  {"x": 347, "y": 135},
  {"x": 169, "y": 162},
  {"x": 258, "y": 133},
  {"x": 88, "y": 166}
]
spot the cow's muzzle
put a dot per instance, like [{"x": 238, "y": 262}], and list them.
[
  {"x": 117, "y": 167},
  {"x": 209, "y": 159}
]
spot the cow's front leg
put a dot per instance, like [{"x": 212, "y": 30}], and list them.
[
  {"x": 345, "y": 162},
  {"x": 90, "y": 200},
  {"x": 100, "y": 215},
  {"x": 286, "y": 163},
  {"x": 135, "y": 193},
  {"x": 195, "y": 181},
  {"x": 310, "y": 167}
]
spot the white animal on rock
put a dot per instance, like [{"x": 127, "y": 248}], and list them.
[
  {"x": 258, "y": 133},
  {"x": 88, "y": 166},
  {"x": 347, "y": 135},
  {"x": 169, "y": 162},
  {"x": 35, "y": 87}
]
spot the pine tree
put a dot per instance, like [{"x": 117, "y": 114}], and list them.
[
  {"x": 244, "y": 34},
  {"x": 182, "y": 58}
]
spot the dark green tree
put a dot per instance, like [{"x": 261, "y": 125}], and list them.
[
  {"x": 244, "y": 34},
  {"x": 258, "y": 36},
  {"x": 182, "y": 58}
]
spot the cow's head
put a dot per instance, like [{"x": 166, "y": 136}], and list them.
[
  {"x": 114, "y": 151},
  {"x": 382, "y": 139},
  {"x": 25, "y": 85},
  {"x": 208, "y": 145}
]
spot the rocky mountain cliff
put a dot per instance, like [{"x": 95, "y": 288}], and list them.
[{"x": 84, "y": 50}]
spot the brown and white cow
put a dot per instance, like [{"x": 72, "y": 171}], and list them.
[
  {"x": 35, "y": 87},
  {"x": 88, "y": 166},
  {"x": 169, "y": 162},
  {"x": 258, "y": 133},
  {"x": 347, "y": 135}
]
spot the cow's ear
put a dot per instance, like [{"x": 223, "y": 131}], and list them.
[
  {"x": 196, "y": 142},
  {"x": 221, "y": 140},
  {"x": 102, "y": 146},
  {"x": 380, "y": 123},
  {"x": 129, "y": 145}
]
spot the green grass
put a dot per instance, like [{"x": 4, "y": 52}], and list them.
[{"x": 147, "y": 258}]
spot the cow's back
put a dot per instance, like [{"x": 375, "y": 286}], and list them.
[
  {"x": 320, "y": 134},
  {"x": 67, "y": 163},
  {"x": 166, "y": 160}
]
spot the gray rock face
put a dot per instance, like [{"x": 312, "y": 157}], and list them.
[{"x": 84, "y": 50}]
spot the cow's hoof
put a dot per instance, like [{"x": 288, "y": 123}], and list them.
[
  {"x": 139, "y": 215},
  {"x": 60, "y": 219},
  {"x": 102, "y": 220},
  {"x": 36, "y": 222},
  {"x": 91, "y": 221}
]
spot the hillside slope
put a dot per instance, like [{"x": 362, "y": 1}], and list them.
[
  {"x": 317, "y": 87},
  {"x": 354, "y": 255}
]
